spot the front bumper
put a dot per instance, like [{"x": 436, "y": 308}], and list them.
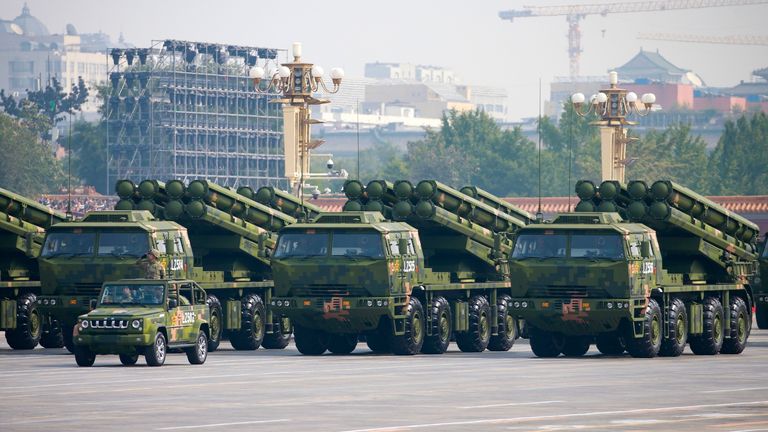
[
  {"x": 125, "y": 343},
  {"x": 576, "y": 316},
  {"x": 335, "y": 314}
]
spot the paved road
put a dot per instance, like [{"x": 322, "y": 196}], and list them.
[{"x": 284, "y": 391}]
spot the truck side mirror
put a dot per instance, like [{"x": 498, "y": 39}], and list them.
[
  {"x": 173, "y": 303},
  {"x": 92, "y": 304},
  {"x": 645, "y": 249},
  {"x": 402, "y": 244},
  {"x": 169, "y": 246}
]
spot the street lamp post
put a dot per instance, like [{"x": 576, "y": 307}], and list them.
[
  {"x": 297, "y": 82},
  {"x": 613, "y": 105}
]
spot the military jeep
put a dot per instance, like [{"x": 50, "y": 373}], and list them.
[{"x": 147, "y": 317}]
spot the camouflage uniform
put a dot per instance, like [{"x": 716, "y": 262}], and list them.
[{"x": 152, "y": 268}]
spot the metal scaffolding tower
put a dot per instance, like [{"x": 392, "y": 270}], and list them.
[{"x": 188, "y": 110}]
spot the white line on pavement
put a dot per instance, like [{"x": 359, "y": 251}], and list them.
[
  {"x": 202, "y": 426},
  {"x": 511, "y": 404}
]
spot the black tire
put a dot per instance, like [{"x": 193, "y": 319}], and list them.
[
  {"x": 442, "y": 325},
  {"x": 277, "y": 339},
  {"x": 611, "y": 343},
  {"x": 84, "y": 357},
  {"x": 508, "y": 331},
  {"x": 67, "y": 334},
  {"x": 342, "y": 343},
  {"x": 198, "y": 353},
  {"x": 251, "y": 332},
  {"x": 674, "y": 345},
  {"x": 761, "y": 316},
  {"x": 711, "y": 340},
  {"x": 412, "y": 340},
  {"x": 378, "y": 340},
  {"x": 156, "y": 353},
  {"x": 738, "y": 328},
  {"x": 476, "y": 338},
  {"x": 546, "y": 344},
  {"x": 310, "y": 341},
  {"x": 52, "y": 337},
  {"x": 576, "y": 346},
  {"x": 649, "y": 344},
  {"x": 29, "y": 324},
  {"x": 215, "y": 322},
  {"x": 129, "y": 359}
]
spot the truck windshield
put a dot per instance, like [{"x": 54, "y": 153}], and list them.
[
  {"x": 342, "y": 243},
  {"x": 302, "y": 244},
  {"x": 69, "y": 244},
  {"x": 148, "y": 295},
  {"x": 575, "y": 244},
  {"x": 131, "y": 244}
]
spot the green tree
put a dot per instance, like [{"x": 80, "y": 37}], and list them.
[
  {"x": 27, "y": 166},
  {"x": 739, "y": 163},
  {"x": 89, "y": 154}
]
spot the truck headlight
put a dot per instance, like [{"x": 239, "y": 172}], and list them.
[
  {"x": 84, "y": 324},
  {"x": 45, "y": 301},
  {"x": 136, "y": 324}
]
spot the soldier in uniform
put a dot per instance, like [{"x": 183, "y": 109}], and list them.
[{"x": 152, "y": 267}]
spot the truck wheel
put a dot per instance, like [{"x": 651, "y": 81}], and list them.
[
  {"x": 440, "y": 310},
  {"x": 611, "y": 343},
  {"x": 198, "y": 353},
  {"x": 52, "y": 337},
  {"x": 310, "y": 341},
  {"x": 129, "y": 359},
  {"x": 738, "y": 329},
  {"x": 761, "y": 316},
  {"x": 546, "y": 344},
  {"x": 277, "y": 339},
  {"x": 84, "y": 356},
  {"x": 29, "y": 326},
  {"x": 155, "y": 353},
  {"x": 342, "y": 343},
  {"x": 412, "y": 340},
  {"x": 507, "y": 326},
  {"x": 674, "y": 345},
  {"x": 711, "y": 340},
  {"x": 214, "y": 322},
  {"x": 479, "y": 334},
  {"x": 576, "y": 346},
  {"x": 251, "y": 332},
  {"x": 649, "y": 344}
]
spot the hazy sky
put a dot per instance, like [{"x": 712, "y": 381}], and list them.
[{"x": 466, "y": 36}]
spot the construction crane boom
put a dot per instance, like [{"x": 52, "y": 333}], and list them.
[
  {"x": 576, "y": 12},
  {"x": 725, "y": 40}
]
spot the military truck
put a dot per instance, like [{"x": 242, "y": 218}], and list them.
[
  {"x": 146, "y": 317},
  {"x": 22, "y": 228},
  {"x": 435, "y": 271},
  {"x": 761, "y": 287},
  {"x": 653, "y": 270},
  {"x": 204, "y": 232}
]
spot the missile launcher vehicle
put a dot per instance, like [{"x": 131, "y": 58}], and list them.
[
  {"x": 409, "y": 269},
  {"x": 641, "y": 269},
  {"x": 22, "y": 228}
]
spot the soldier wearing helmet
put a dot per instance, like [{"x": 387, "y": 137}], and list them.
[{"x": 152, "y": 267}]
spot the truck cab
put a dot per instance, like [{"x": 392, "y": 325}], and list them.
[
  {"x": 343, "y": 271},
  {"x": 761, "y": 287},
  {"x": 147, "y": 317},
  {"x": 78, "y": 257}
]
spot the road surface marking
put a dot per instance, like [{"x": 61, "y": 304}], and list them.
[
  {"x": 511, "y": 404},
  {"x": 224, "y": 424}
]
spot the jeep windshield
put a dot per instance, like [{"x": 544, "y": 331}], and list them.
[
  {"x": 573, "y": 244},
  {"x": 133, "y": 294},
  {"x": 109, "y": 243},
  {"x": 351, "y": 243}
]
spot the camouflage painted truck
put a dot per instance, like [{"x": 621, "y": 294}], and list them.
[
  {"x": 146, "y": 317},
  {"x": 432, "y": 271},
  {"x": 22, "y": 228},
  {"x": 646, "y": 270},
  {"x": 205, "y": 232},
  {"x": 761, "y": 287}
]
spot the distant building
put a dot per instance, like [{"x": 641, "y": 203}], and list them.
[{"x": 30, "y": 56}]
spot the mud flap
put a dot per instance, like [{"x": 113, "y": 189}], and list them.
[
  {"x": 234, "y": 315},
  {"x": 461, "y": 316},
  {"x": 696, "y": 318},
  {"x": 8, "y": 314}
]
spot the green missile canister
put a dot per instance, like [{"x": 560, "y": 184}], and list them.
[
  {"x": 637, "y": 190},
  {"x": 175, "y": 189},
  {"x": 353, "y": 189},
  {"x": 125, "y": 189},
  {"x": 585, "y": 190},
  {"x": 247, "y": 192},
  {"x": 125, "y": 204}
]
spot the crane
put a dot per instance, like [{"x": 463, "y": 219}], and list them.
[
  {"x": 726, "y": 40},
  {"x": 576, "y": 12}
]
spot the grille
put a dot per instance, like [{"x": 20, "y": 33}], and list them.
[
  {"x": 328, "y": 290},
  {"x": 553, "y": 291},
  {"x": 108, "y": 324}
]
